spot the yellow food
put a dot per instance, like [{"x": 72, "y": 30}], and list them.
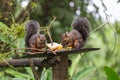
[
  {"x": 69, "y": 47},
  {"x": 54, "y": 46}
]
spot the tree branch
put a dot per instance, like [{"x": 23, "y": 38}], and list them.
[{"x": 24, "y": 63}]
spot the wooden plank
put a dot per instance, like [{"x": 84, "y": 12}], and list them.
[
  {"x": 61, "y": 52},
  {"x": 24, "y": 63},
  {"x": 60, "y": 71}
]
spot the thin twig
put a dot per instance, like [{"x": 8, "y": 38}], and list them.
[
  {"x": 99, "y": 27},
  {"x": 115, "y": 34},
  {"x": 48, "y": 29},
  {"x": 29, "y": 49},
  {"x": 9, "y": 64},
  {"x": 49, "y": 36},
  {"x": 32, "y": 53},
  {"x": 37, "y": 50},
  {"x": 107, "y": 18},
  {"x": 52, "y": 22}
]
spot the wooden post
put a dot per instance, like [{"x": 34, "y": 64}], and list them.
[{"x": 60, "y": 71}]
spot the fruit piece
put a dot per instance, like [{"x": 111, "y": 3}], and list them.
[{"x": 54, "y": 46}]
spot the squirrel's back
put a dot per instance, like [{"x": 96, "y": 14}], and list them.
[{"x": 82, "y": 25}]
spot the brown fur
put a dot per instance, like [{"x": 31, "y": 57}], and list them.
[
  {"x": 78, "y": 36},
  {"x": 72, "y": 39},
  {"x": 33, "y": 39},
  {"x": 37, "y": 41}
]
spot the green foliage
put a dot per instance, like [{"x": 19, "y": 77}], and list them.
[
  {"x": 9, "y": 35},
  {"x": 74, "y": 65},
  {"x": 3, "y": 28},
  {"x": 46, "y": 74},
  {"x": 11, "y": 74},
  {"x": 17, "y": 74},
  {"x": 80, "y": 75},
  {"x": 84, "y": 67},
  {"x": 111, "y": 74},
  {"x": 33, "y": 5}
]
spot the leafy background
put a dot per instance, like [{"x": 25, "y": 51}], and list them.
[{"x": 100, "y": 65}]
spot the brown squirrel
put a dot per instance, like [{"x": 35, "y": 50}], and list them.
[
  {"x": 32, "y": 38},
  {"x": 78, "y": 36}
]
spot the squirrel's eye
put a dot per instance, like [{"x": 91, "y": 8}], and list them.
[{"x": 67, "y": 42}]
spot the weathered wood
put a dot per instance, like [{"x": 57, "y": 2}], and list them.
[
  {"x": 60, "y": 71},
  {"x": 62, "y": 52},
  {"x": 35, "y": 73},
  {"x": 24, "y": 63}
]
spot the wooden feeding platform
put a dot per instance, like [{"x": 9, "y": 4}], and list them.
[
  {"x": 59, "y": 70},
  {"x": 58, "y": 53}
]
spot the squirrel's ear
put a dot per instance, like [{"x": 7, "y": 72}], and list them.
[
  {"x": 66, "y": 34},
  {"x": 63, "y": 35}
]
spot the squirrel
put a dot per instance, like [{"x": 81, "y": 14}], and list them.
[
  {"x": 32, "y": 37},
  {"x": 78, "y": 36}
]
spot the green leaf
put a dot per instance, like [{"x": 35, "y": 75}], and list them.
[
  {"x": 34, "y": 5},
  {"x": 5, "y": 78},
  {"x": 111, "y": 74},
  {"x": 20, "y": 79},
  {"x": 29, "y": 71},
  {"x": 83, "y": 73},
  {"x": 4, "y": 38},
  {"x": 17, "y": 74},
  {"x": 21, "y": 42},
  {"x": 73, "y": 66},
  {"x": 49, "y": 74},
  {"x": 3, "y": 25}
]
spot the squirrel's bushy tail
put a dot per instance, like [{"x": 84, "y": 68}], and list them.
[
  {"x": 83, "y": 26},
  {"x": 32, "y": 27}
]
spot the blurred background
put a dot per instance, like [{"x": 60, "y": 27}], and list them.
[{"x": 88, "y": 66}]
